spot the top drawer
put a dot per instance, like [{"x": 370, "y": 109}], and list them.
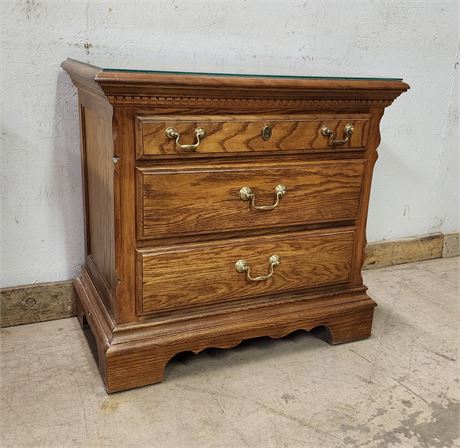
[{"x": 179, "y": 136}]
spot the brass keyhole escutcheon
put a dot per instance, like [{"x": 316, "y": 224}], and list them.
[{"x": 266, "y": 132}]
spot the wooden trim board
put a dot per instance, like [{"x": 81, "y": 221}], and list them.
[
  {"x": 407, "y": 250},
  {"x": 37, "y": 303},
  {"x": 57, "y": 300}
]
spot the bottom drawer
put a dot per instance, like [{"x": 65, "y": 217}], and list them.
[{"x": 220, "y": 271}]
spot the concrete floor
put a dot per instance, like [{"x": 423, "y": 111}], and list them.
[{"x": 400, "y": 388}]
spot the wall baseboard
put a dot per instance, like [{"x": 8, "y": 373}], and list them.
[
  {"x": 37, "y": 303},
  {"x": 57, "y": 300},
  {"x": 407, "y": 250}
]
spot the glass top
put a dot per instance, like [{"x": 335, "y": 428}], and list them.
[{"x": 160, "y": 72}]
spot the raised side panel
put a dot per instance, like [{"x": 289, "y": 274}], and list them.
[{"x": 97, "y": 144}]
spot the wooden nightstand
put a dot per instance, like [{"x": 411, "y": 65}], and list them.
[{"x": 221, "y": 208}]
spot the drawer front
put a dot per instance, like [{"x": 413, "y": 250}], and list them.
[
  {"x": 197, "y": 274},
  {"x": 246, "y": 134},
  {"x": 204, "y": 199}
]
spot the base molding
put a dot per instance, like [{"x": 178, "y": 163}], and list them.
[
  {"x": 37, "y": 303},
  {"x": 407, "y": 250},
  {"x": 58, "y": 300},
  {"x": 135, "y": 355}
]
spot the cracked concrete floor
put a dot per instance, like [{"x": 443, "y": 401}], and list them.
[{"x": 399, "y": 388}]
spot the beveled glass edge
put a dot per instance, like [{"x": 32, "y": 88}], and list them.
[{"x": 244, "y": 75}]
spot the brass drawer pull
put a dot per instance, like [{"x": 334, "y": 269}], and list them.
[
  {"x": 242, "y": 266},
  {"x": 327, "y": 132},
  {"x": 246, "y": 194},
  {"x": 173, "y": 134}
]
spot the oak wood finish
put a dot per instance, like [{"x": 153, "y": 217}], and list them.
[
  {"x": 196, "y": 199},
  {"x": 58, "y": 300},
  {"x": 165, "y": 228},
  {"x": 97, "y": 151},
  {"x": 132, "y": 356},
  {"x": 242, "y": 134},
  {"x": 307, "y": 260}
]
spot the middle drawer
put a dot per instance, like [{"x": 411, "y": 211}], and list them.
[{"x": 198, "y": 199}]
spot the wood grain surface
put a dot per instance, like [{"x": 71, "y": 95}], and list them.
[
  {"x": 136, "y": 355},
  {"x": 240, "y": 134},
  {"x": 39, "y": 302},
  {"x": 135, "y": 86},
  {"x": 176, "y": 288},
  {"x": 97, "y": 153},
  {"x": 198, "y": 199},
  {"x": 208, "y": 270}
]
